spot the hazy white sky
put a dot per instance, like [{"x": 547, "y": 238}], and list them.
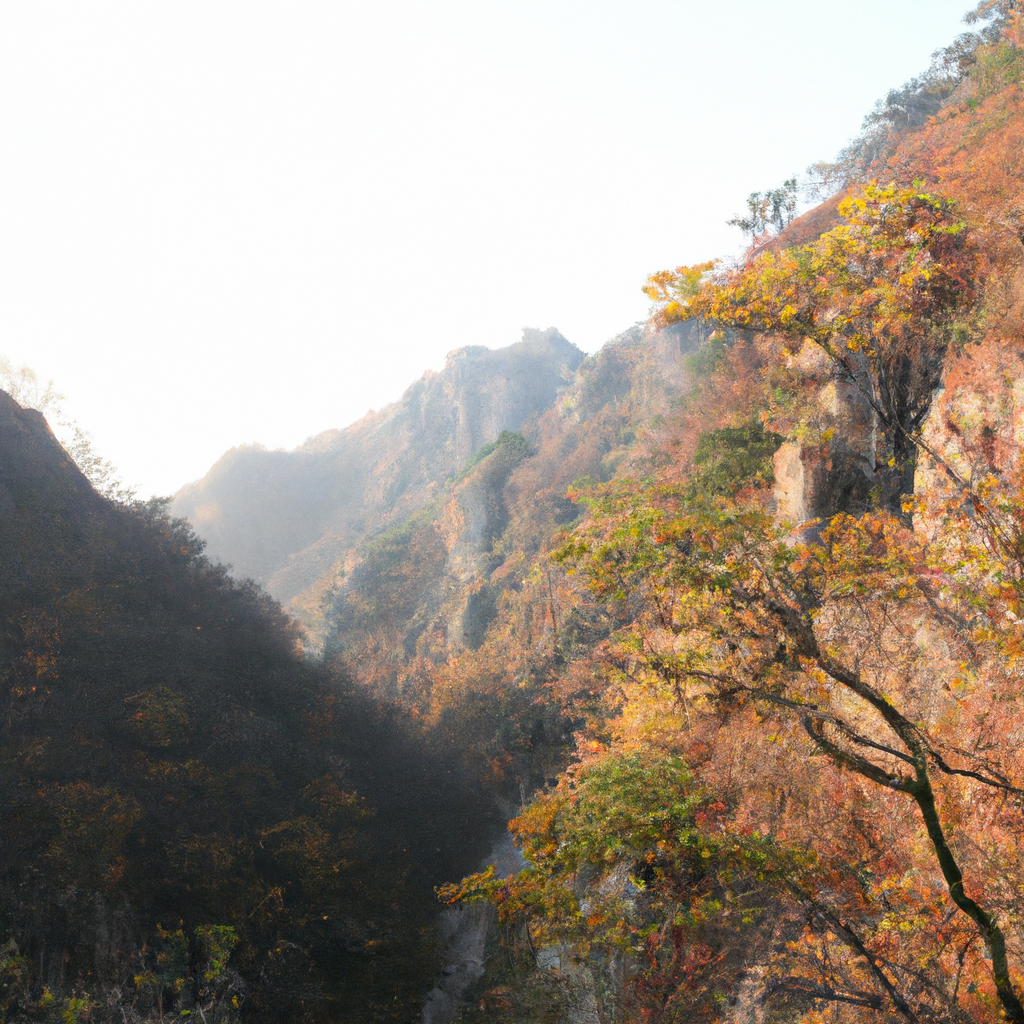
[{"x": 227, "y": 222}]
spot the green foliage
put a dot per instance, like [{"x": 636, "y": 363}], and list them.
[
  {"x": 640, "y": 536},
  {"x": 624, "y": 859},
  {"x": 732, "y": 458},
  {"x": 393, "y": 543},
  {"x": 998, "y": 66},
  {"x": 511, "y": 447},
  {"x": 167, "y": 967},
  {"x": 769, "y": 211},
  {"x": 15, "y": 976},
  {"x": 385, "y": 587},
  {"x": 710, "y": 355},
  {"x": 75, "y": 1009},
  {"x": 216, "y": 941},
  {"x": 171, "y": 958},
  {"x": 642, "y": 812}
]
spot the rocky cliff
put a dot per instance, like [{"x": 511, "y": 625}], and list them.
[
  {"x": 285, "y": 518},
  {"x": 394, "y": 538}
]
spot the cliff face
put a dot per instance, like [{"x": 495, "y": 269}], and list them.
[
  {"x": 396, "y": 539},
  {"x": 285, "y": 518},
  {"x": 971, "y": 152},
  {"x": 828, "y": 464},
  {"x": 408, "y": 600}
]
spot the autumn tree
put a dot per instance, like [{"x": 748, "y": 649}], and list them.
[
  {"x": 883, "y": 295},
  {"x": 1003, "y": 18},
  {"x": 892, "y": 655}
]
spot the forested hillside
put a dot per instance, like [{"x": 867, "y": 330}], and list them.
[
  {"x": 195, "y": 820},
  {"x": 796, "y": 784},
  {"x": 286, "y": 519}
]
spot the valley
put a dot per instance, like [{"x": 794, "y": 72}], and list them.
[{"x": 676, "y": 682}]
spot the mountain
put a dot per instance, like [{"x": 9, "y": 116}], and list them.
[
  {"x": 428, "y": 587},
  {"x": 285, "y": 518},
  {"x": 48, "y": 508},
  {"x": 196, "y": 820},
  {"x": 794, "y": 674},
  {"x": 303, "y": 522},
  {"x": 734, "y": 618},
  {"x": 423, "y": 602},
  {"x": 738, "y": 617}
]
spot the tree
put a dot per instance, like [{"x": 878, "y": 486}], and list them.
[
  {"x": 883, "y": 295},
  {"x": 1003, "y": 17},
  {"x": 897, "y": 114},
  {"x": 664, "y": 890},
  {"x": 896, "y": 657},
  {"x": 769, "y": 211}
]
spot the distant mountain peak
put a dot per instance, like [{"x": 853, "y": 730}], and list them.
[{"x": 284, "y": 517}]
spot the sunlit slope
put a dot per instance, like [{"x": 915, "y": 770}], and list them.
[
  {"x": 777, "y": 634},
  {"x": 396, "y": 537},
  {"x": 432, "y": 585}
]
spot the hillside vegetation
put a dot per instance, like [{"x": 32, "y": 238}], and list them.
[
  {"x": 196, "y": 822},
  {"x": 796, "y": 784},
  {"x": 287, "y": 518}
]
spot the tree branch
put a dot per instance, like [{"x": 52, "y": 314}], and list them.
[
  {"x": 853, "y": 940},
  {"x": 800, "y": 986},
  {"x": 854, "y": 762},
  {"x": 988, "y": 780}
]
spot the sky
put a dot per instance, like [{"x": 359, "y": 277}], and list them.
[{"x": 239, "y": 222}]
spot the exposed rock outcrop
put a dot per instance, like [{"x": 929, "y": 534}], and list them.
[
  {"x": 829, "y": 467},
  {"x": 285, "y": 518},
  {"x": 402, "y": 524}
]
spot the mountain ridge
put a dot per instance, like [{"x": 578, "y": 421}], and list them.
[{"x": 291, "y": 513}]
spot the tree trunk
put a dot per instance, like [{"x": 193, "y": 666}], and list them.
[{"x": 987, "y": 924}]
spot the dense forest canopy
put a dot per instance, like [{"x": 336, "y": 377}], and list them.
[{"x": 196, "y": 821}]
